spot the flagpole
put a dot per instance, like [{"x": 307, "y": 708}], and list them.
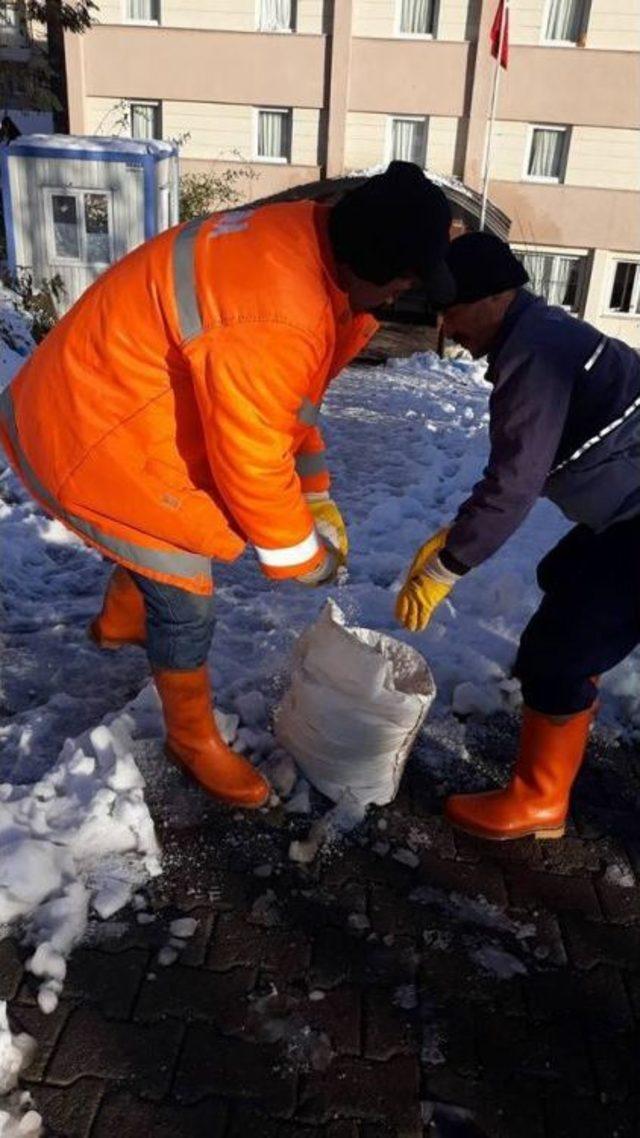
[{"x": 494, "y": 104}]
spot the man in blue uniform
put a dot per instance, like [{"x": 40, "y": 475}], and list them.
[{"x": 564, "y": 424}]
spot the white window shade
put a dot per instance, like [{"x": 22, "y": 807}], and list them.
[
  {"x": 275, "y": 15},
  {"x": 143, "y": 11},
  {"x": 547, "y": 154},
  {"x": 12, "y": 24},
  {"x": 566, "y": 20},
  {"x": 145, "y": 120},
  {"x": 409, "y": 140},
  {"x": 555, "y": 277},
  {"x": 417, "y": 17},
  {"x": 274, "y": 135}
]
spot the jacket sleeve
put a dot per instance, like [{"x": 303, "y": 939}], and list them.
[
  {"x": 528, "y": 410},
  {"x": 311, "y": 462},
  {"x": 251, "y": 382}
]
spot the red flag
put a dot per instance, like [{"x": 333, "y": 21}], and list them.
[{"x": 502, "y": 13}]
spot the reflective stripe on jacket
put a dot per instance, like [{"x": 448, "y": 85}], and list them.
[{"x": 171, "y": 415}]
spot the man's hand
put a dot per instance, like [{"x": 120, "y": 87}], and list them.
[
  {"x": 428, "y": 583},
  {"x": 325, "y": 573},
  {"x": 329, "y": 523}
]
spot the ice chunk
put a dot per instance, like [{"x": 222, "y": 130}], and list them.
[
  {"x": 112, "y": 896},
  {"x": 167, "y": 956},
  {"x": 252, "y": 708},
  {"x": 227, "y": 725},
  {"x": 183, "y": 927}
]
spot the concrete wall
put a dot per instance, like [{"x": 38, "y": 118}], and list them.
[
  {"x": 368, "y": 141},
  {"x": 216, "y": 131}
]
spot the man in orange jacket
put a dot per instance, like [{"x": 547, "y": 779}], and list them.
[{"x": 171, "y": 417}]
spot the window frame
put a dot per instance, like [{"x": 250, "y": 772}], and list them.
[
  {"x": 543, "y": 179},
  {"x": 634, "y": 309},
  {"x": 142, "y": 23},
  {"x": 278, "y": 31},
  {"x": 16, "y": 35},
  {"x": 564, "y": 43},
  {"x": 81, "y": 262},
  {"x": 583, "y": 272},
  {"x": 406, "y": 118},
  {"x": 157, "y": 106},
  {"x": 420, "y": 36},
  {"x": 265, "y": 158}
]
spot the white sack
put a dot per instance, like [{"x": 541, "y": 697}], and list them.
[{"x": 355, "y": 705}]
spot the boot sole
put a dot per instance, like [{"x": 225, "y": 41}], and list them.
[
  {"x": 541, "y": 835},
  {"x": 112, "y": 645},
  {"x": 188, "y": 774}
]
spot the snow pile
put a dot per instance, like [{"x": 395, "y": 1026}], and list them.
[
  {"x": 80, "y": 838},
  {"x": 16, "y": 342},
  {"x": 17, "y": 1118}
]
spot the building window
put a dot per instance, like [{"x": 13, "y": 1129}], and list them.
[
  {"x": 417, "y": 17},
  {"x": 566, "y": 21},
  {"x": 557, "y": 278},
  {"x": 547, "y": 157},
  {"x": 145, "y": 120},
  {"x": 79, "y": 227},
  {"x": 143, "y": 11},
  {"x": 409, "y": 140},
  {"x": 274, "y": 135},
  {"x": 625, "y": 290},
  {"x": 12, "y": 24},
  {"x": 276, "y": 15}
]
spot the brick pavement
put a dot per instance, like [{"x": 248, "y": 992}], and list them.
[{"x": 486, "y": 991}]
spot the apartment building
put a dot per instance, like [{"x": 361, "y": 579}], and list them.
[{"x": 295, "y": 90}]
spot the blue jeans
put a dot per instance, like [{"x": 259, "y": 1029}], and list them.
[{"x": 179, "y": 625}]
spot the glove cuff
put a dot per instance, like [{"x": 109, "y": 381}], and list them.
[
  {"x": 436, "y": 571},
  {"x": 318, "y": 496}
]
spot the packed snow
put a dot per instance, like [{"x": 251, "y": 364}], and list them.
[
  {"x": 406, "y": 443},
  {"x": 17, "y": 1116}
]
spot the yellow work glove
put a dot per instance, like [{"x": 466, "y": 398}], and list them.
[
  {"x": 329, "y": 523},
  {"x": 426, "y": 586}
]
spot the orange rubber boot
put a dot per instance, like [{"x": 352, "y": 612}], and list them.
[
  {"x": 194, "y": 742},
  {"x": 536, "y": 801},
  {"x": 123, "y": 619}
]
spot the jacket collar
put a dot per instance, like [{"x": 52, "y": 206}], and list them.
[{"x": 352, "y": 330}]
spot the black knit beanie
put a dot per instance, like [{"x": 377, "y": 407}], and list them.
[
  {"x": 483, "y": 265},
  {"x": 395, "y": 223}
]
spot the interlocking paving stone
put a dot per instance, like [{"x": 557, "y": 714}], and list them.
[
  {"x": 589, "y": 944},
  {"x": 10, "y": 969},
  {"x": 617, "y": 1063},
  {"x": 360, "y": 1089},
  {"x": 110, "y": 981},
  {"x": 484, "y": 879},
  {"x": 598, "y": 996},
  {"x": 571, "y": 1118},
  {"x": 237, "y": 942},
  {"x": 339, "y": 1016},
  {"x": 213, "y": 1064},
  {"x": 247, "y": 1123},
  {"x": 129, "y": 1117},
  {"x": 91, "y": 1045},
  {"x": 388, "y": 1031},
  {"x": 189, "y": 994},
  {"x": 46, "y": 1030},
  {"x": 553, "y": 891},
  {"x": 69, "y": 1112},
  {"x": 619, "y": 905}
]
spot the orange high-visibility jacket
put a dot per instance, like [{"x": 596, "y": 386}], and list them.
[{"x": 170, "y": 416}]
